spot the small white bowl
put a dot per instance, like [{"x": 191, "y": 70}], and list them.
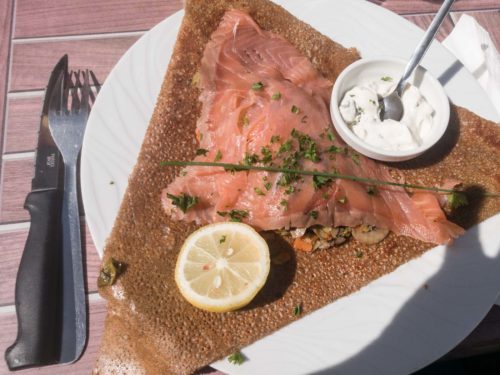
[{"x": 365, "y": 69}]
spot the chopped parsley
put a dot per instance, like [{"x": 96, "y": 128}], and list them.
[
  {"x": 267, "y": 155},
  {"x": 286, "y": 146},
  {"x": 183, "y": 201},
  {"x": 218, "y": 156},
  {"x": 201, "y": 151},
  {"x": 320, "y": 181},
  {"x": 335, "y": 150},
  {"x": 275, "y": 138},
  {"x": 276, "y": 96},
  {"x": 297, "y": 310},
  {"x": 386, "y": 79},
  {"x": 330, "y": 135},
  {"x": 250, "y": 159},
  {"x": 257, "y": 86},
  {"x": 284, "y": 203},
  {"x": 268, "y": 185},
  {"x": 371, "y": 190},
  {"x": 355, "y": 158},
  {"x": 246, "y": 121},
  {"x": 373, "y": 102},
  {"x": 295, "y": 109},
  {"x": 457, "y": 199},
  {"x": 306, "y": 146},
  {"x": 358, "y": 253},
  {"x": 222, "y": 239},
  {"x": 289, "y": 190},
  {"x": 314, "y": 214},
  {"x": 236, "y": 358},
  {"x": 258, "y": 191},
  {"x": 234, "y": 215}
]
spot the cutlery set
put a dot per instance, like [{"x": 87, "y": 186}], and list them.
[{"x": 50, "y": 285}]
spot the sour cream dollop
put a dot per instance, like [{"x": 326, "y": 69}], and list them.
[{"x": 361, "y": 111}]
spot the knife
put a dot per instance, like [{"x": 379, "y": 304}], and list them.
[{"x": 38, "y": 295}]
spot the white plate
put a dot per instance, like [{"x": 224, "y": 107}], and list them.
[{"x": 392, "y": 326}]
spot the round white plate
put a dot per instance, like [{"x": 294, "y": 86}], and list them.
[{"x": 396, "y": 324}]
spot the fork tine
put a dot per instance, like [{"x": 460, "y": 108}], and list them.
[
  {"x": 75, "y": 100},
  {"x": 85, "y": 92},
  {"x": 66, "y": 84}
]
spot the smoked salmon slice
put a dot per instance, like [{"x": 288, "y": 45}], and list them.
[{"x": 264, "y": 103}]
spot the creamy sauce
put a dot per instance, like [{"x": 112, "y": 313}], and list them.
[{"x": 361, "y": 111}]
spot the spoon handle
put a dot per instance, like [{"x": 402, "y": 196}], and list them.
[{"x": 424, "y": 44}]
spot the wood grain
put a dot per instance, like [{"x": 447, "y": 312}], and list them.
[
  {"x": 21, "y": 126},
  {"x": 431, "y": 6},
  {"x": 489, "y": 20},
  {"x": 33, "y": 62},
  {"x": 8, "y": 327},
  {"x": 16, "y": 184},
  {"x": 61, "y": 17},
  {"x": 424, "y": 20},
  {"x": 6, "y": 11},
  {"x": 11, "y": 249}
]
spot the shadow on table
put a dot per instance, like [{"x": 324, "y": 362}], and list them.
[{"x": 410, "y": 329}]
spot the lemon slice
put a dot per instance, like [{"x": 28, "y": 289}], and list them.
[{"x": 222, "y": 266}]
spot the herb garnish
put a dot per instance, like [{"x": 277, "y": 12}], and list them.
[
  {"x": 239, "y": 168},
  {"x": 371, "y": 190},
  {"x": 457, "y": 199},
  {"x": 306, "y": 146},
  {"x": 358, "y": 253},
  {"x": 246, "y": 121},
  {"x": 289, "y": 190},
  {"x": 275, "y": 138},
  {"x": 267, "y": 155},
  {"x": 222, "y": 239},
  {"x": 268, "y": 185},
  {"x": 236, "y": 358},
  {"x": 386, "y": 79},
  {"x": 297, "y": 310},
  {"x": 276, "y": 96},
  {"x": 257, "y": 86},
  {"x": 330, "y": 135},
  {"x": 355, "y": 158},
  {"x": 201, "y": 151},
  {"x": 314, "y": 214},
  {"x": 284, "y": 203},
  {"x": 286, "y": 146},
  {"x": 183, "y": 201},
  {"x": 295, "y": 109},
  {"x": 303, "y": 119},
  {"x": 235, "y": 215},
  {"x": 320, "y": 181},
  {"x": 250, "y": 159},
  {"x": 218, "y": 156},
  {"x": 258, "y": 191}
]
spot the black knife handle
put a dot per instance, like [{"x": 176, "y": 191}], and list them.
[{"x": 38, "y": 289}]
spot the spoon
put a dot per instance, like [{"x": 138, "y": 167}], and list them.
[{"x": 391, "y": 103}]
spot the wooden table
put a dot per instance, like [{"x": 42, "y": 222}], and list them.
[{"x": 95, "y": 34}]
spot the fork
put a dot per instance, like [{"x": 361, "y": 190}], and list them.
[{"x": 67, "y": 126}]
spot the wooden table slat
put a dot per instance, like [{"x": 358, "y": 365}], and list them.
[
  {"x": 36, "y": 18},
  {"x": 11, "y": 250},
  {"x": 429, "y": 6},
  {"x": 424, "y": 20},
  {"x": 22, "y": 123},
  {"x": 33, "y": 62},
  {"x": 8, "y": 327},
  {"x": 6, "y": 10}
]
